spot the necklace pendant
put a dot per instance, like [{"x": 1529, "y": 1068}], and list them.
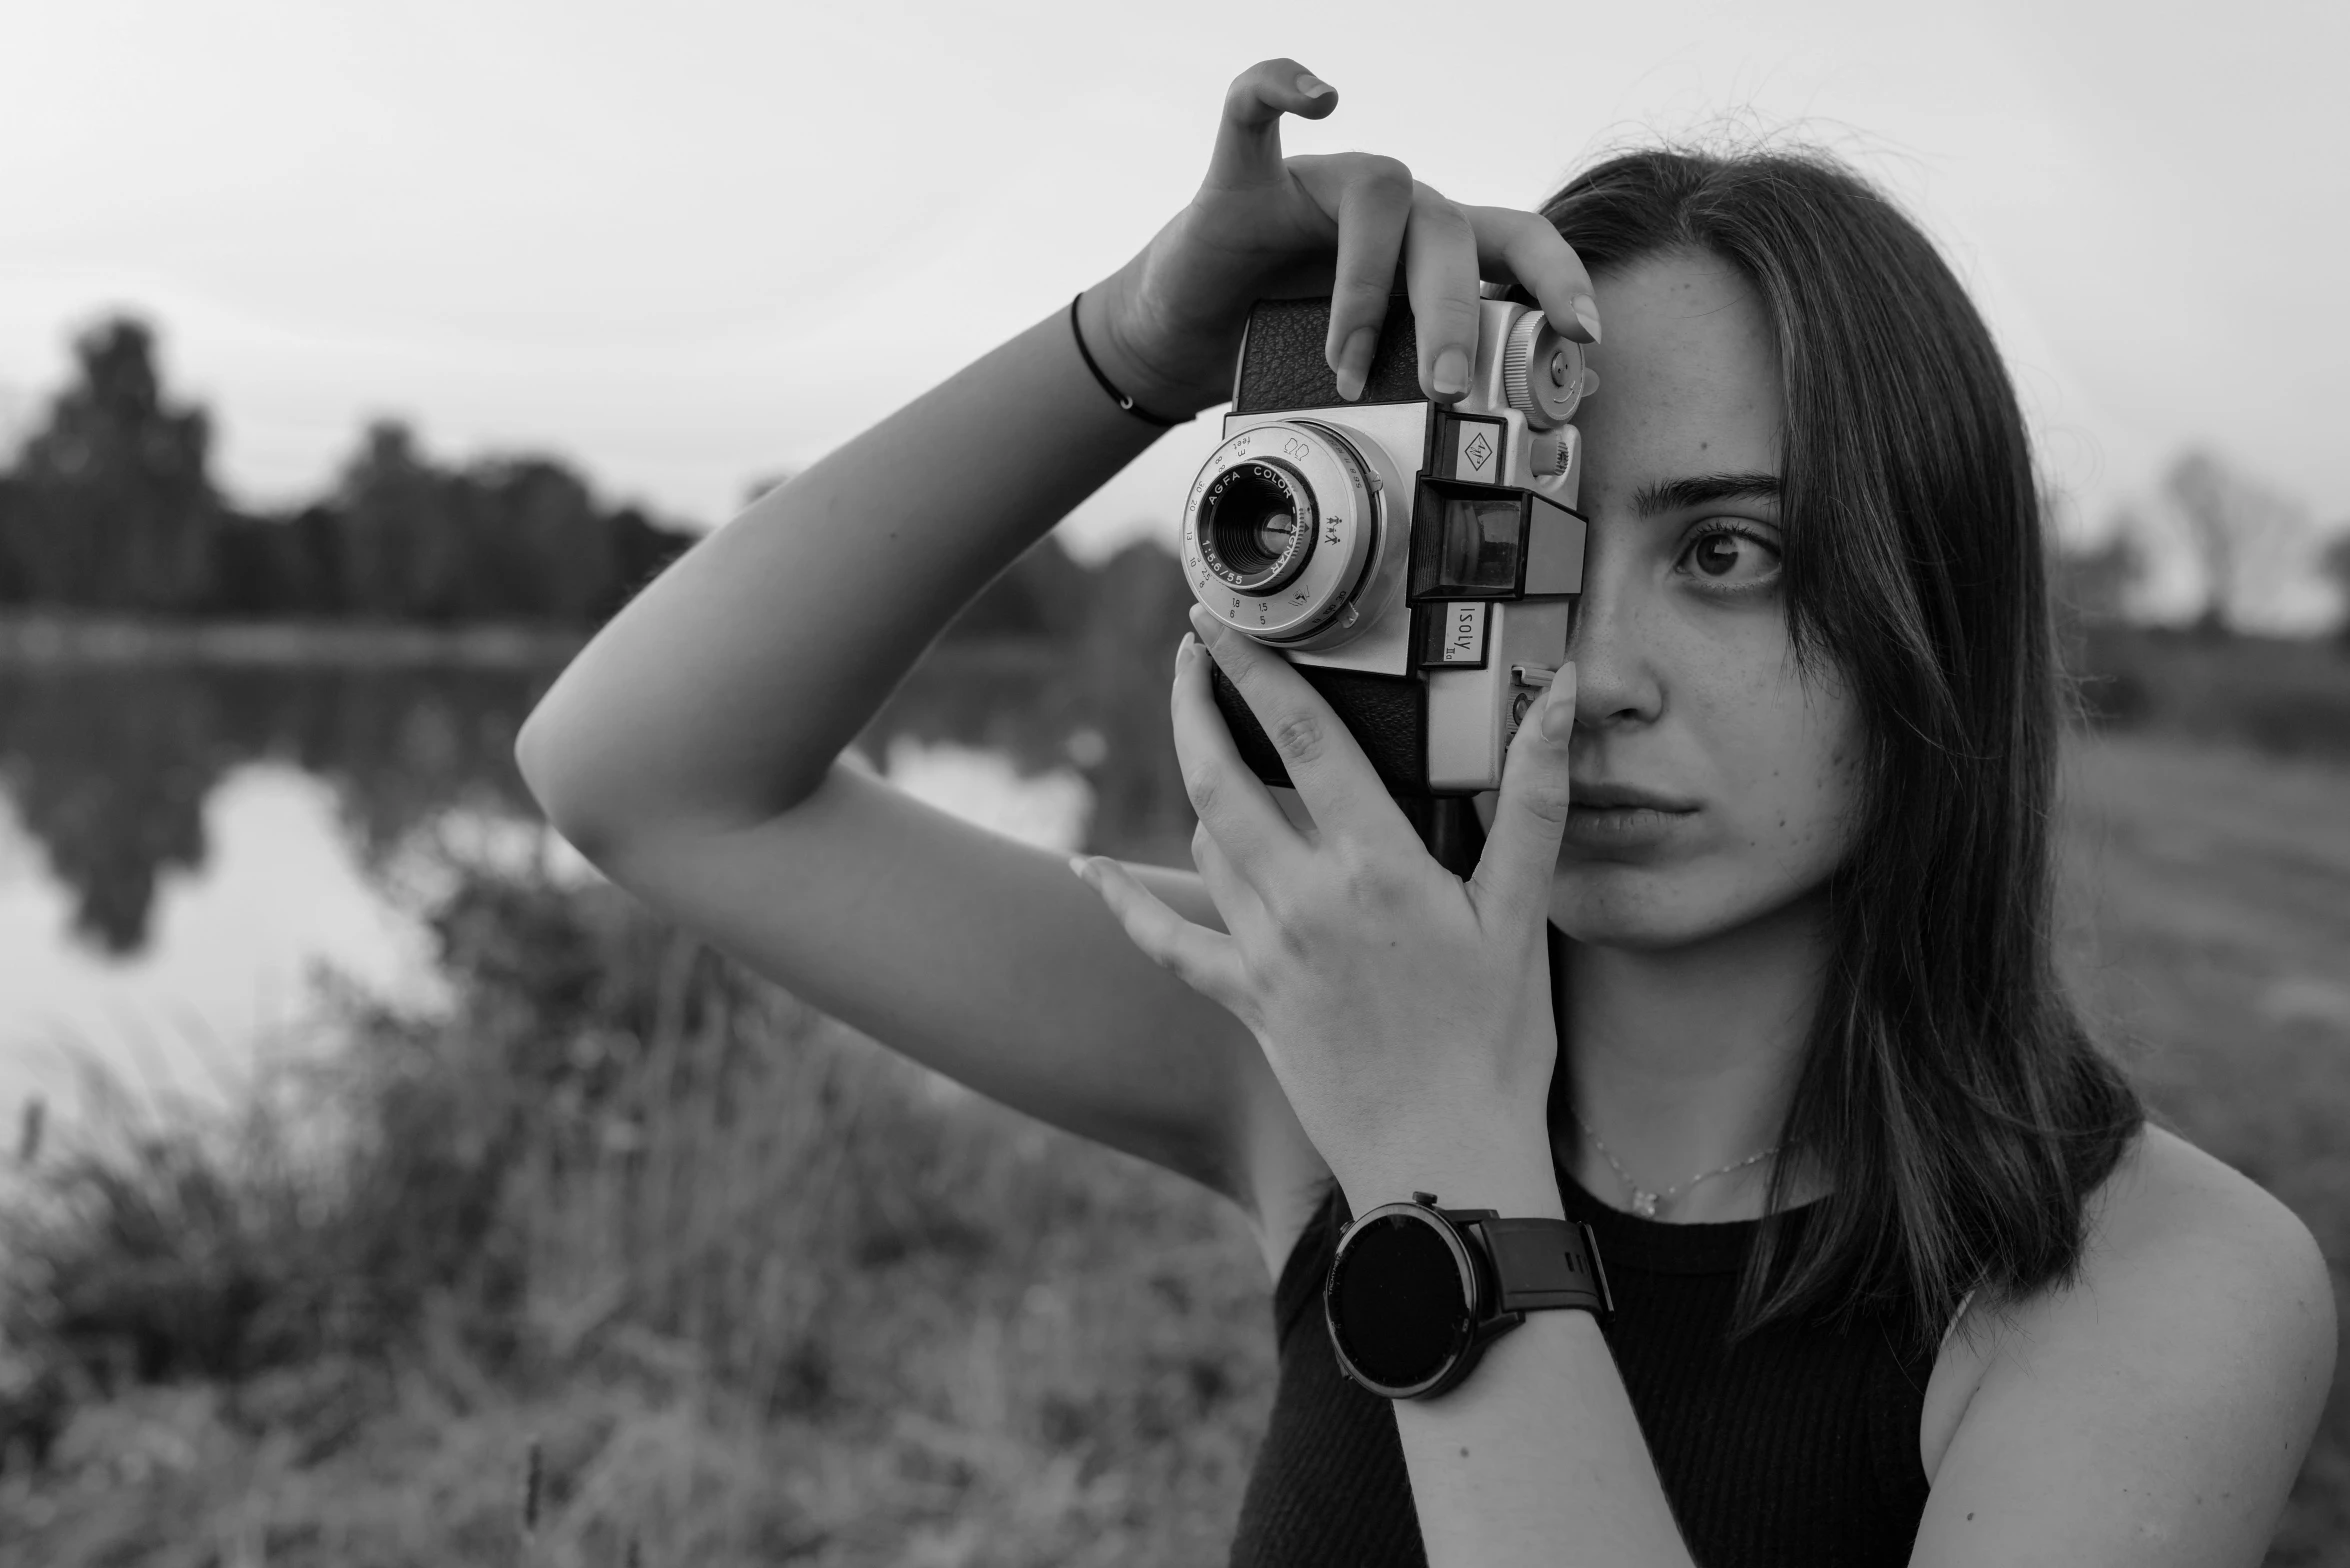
[{"x": 1644, "y": 1204}]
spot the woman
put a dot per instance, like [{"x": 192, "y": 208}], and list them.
[{"x": 1909, "y": 1279}]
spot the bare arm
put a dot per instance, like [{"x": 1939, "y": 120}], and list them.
[
  {"x": 719, "y": 697},
  {"x": 689, "y": 752}
]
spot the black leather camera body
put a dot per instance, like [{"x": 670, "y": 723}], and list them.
[{"x": 1418, "y": 562}]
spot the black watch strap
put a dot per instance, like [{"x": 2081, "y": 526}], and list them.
[{"x": 1541, "y": 1263}]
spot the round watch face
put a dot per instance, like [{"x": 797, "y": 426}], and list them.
[{"x": 1398, "y": 1307}]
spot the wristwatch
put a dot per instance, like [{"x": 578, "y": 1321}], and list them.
[{"x": 1416, "y": 1292}]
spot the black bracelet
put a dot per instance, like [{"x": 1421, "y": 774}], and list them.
[{"x": 1116, "y": 396}]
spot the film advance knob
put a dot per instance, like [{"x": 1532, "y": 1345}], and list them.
[{"x": 1541, "y": 372}]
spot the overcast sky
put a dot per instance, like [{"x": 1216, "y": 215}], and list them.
[{"x": 691, "y": 244}]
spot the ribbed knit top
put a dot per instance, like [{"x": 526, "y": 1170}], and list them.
[{"x": 1797, "y": 1446}]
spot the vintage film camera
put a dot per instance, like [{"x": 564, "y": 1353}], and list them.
[{"x": 1418, "y": 563}]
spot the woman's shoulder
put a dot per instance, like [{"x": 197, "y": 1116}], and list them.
[
  {"x": 2202, "y": 1313},
  {"x": 2189, "y": 1265},
  {"x": 2181, "y": 1238},
  {"x": 2169, "y": 1207},
  {"x": 2190, "y": 1257}
]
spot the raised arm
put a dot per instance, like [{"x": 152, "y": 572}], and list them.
[
  {"x": 720, "y": 696},
  {"x": 689, "y": 751}
]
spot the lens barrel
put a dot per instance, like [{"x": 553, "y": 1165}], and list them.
[{"x": 1256, "y": 525}]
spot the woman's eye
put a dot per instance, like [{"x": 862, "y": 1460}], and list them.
[{"x": 1730, "y": 558}]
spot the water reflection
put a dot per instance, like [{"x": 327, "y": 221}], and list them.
[
  {"x": 187, "y": 841},
  {"x": 109, "y": 766}
]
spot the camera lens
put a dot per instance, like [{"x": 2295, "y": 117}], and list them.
[
  {"x": 1257, "y": 526},
  {"x": 1281, "y": 531}
]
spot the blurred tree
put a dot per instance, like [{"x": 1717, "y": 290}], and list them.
[
  {"x": 402, "y": 554},
  {"x": 1043, "y": 593},
  {"x": 550, "y": 554},
  {"x": 268, "y": 565},
  {"x": 16, "y": 581},
  {"x": 112, "y": 507},
  {"x": 508, "y": 538},
  {"x": 642, "y": 549},
  {"x": 2094, "y": 585},
  {"x": 2238, "y": 529},
  {"x": 2336, "y": 565}
]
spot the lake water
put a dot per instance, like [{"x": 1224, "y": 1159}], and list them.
[{"x": 186, "y": 849}]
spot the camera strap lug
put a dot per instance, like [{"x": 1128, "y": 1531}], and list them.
[{"x": 1532, "y": 674}]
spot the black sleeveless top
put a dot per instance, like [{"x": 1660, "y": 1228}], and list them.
[{"x": 1798, "y": 1446}]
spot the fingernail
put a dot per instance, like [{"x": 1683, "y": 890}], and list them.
[
  {"x": 1082, "y": 867},
  {"x": 1587, "y": 312},
  {"x": 1354, "y": 362},
  {"x": 1200, "y": 622},
  {"x": 1558, "y": 706},
  {"x": 1451, "y": 376},
  {"x": 1313, "y": 86}
]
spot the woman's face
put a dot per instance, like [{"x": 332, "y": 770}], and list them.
[{"x": 1712, "y": 783}]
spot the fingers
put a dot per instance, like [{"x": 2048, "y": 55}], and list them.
[
  {"x": 1527, "y": 250},
  {"x": 1373, "y": 213},
  {"x": 1332, "y": 776},
  {"x": 1440, "y": 270},
  {"x": 1384, "y": 217},
  {"x": 1207, "y": 961},
  {"x": 1229, "y": 800},
  {"x": 1530, "y": 816},
  {"x": 1235, "y": 900},
  {"x": 1248, "y": 139},
  {"x": 1374, "y": 207}
]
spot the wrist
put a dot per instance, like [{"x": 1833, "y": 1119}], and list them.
[
  {"x": 1515, "y": 1178},
  {"x": 1147, "y": 361}
]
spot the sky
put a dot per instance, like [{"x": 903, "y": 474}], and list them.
[{"x": 691, "y": 246}]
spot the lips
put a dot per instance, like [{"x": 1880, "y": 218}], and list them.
[
  {"x": 1610, "y": 819},
  {"x": 1604, "y": 795}
]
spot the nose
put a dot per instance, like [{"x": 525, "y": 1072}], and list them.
[{"x": 1616, "y": 680}]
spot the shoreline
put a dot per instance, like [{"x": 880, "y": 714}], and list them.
[
  {"x": 79, "y": 639},
  {"x": 48, "y": 641}
]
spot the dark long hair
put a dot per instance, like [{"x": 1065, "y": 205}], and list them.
[{"x": 1948, "y": 1094}]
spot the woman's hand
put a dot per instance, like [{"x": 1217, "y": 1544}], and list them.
[
  {"x": 1167, "y": 326},
  {"x": 1405, "y": 1012}
]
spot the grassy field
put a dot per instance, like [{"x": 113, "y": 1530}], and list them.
[
  {"x": 732, "y": 1285},
  {"x": 2210, "y": 930}
]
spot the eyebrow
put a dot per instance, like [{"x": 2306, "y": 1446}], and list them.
[{"x": 1675, "y": 495}]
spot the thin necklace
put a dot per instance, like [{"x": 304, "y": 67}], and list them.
[{"x": 1644, "y": 1202}]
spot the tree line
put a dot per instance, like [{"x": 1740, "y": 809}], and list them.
[
  {"x": 2241, "y": 539},
  {"x": 110, "y": 507}
]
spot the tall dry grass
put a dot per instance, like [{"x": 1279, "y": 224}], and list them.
[{"x": 750, "y": 1289}]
